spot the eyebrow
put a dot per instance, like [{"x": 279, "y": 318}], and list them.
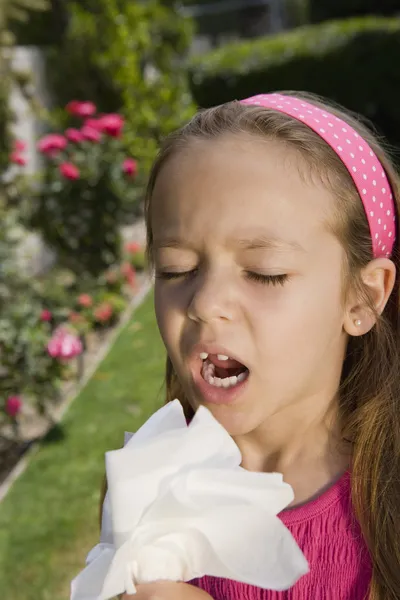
[{"x": 259, "y": 242}]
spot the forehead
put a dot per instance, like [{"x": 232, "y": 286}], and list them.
[{"x": 222, "y": 187}]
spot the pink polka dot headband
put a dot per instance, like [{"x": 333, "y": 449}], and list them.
[{"x": 360, "y": 160}]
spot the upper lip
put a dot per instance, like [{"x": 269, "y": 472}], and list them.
[{"x": 213, "y": 348}]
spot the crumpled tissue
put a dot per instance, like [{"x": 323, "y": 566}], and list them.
[{"x": 179, "y": 506}]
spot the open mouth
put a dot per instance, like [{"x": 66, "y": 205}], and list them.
[{"x": 221, "y": 371}]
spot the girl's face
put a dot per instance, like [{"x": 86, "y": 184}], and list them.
[{"x": 247, "y": 268}]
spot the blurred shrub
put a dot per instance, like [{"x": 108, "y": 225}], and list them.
[
  {"x": 86, "y": 185},
  {"x": 324, "y": 10},
  {"x": 138, "y": 260},
  {"x": 346, "y": 61},
  {"x": 25, "y": 367},
  {"x": 5, "y": 134},
  {"x": 39, "y": 27},
  {"x": 135, "y": 255},
  {"x": 216, "y": 18},
  {"x": 126, "y": 56},
  {"x": 45, "y": 322},
  {"x": 12, "y": 12},
  {"x": 297, "y": 13}
]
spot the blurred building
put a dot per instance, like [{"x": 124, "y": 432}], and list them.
[{"x": 220, "y": 21}]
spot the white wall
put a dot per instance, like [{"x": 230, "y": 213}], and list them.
[{"x": 34, "y": 257}]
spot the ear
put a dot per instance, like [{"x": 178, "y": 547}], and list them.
[{"x": 379, "y": 278}]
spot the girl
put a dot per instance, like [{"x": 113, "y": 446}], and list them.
[{"x": 272, "y": 230}]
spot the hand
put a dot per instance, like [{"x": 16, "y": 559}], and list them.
[{"x": 167, "y": 590}]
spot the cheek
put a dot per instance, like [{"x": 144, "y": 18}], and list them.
[
  {"x": 162, "y": 310},
  {"x": 168, "y": 311},
  {"x": 302, "y": 316},
  {"x": 170, "y": 297},
  {"x": 158, "y": 304}
]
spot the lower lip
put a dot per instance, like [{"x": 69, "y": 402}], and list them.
[{"x": 219, "y": 395}]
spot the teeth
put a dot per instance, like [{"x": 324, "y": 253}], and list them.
[
  {"x": 208, "y": 373},
  {"x": 222, "y": 357},
  {"x": 227, "y": 382},
  {"x": 218, "y": 382},
  {"x": 203, "y": 355}
]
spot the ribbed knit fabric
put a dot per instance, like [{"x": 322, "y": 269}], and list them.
[{"x": 330, "y": 538}]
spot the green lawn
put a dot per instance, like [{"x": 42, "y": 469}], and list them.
[{"x": 48, "y": 521}]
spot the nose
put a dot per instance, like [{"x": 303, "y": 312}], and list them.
[{"x": 213, "y": 298}]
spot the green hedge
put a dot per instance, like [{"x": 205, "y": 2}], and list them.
[
  {"x": 353, "y": 62},
  {"x": 340, "y": 9}
]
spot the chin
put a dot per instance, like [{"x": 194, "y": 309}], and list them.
[{"x": 237, "y": 422}]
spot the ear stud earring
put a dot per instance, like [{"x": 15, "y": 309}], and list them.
[{"x": 357, "y": 322}]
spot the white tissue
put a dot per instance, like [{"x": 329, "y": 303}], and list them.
[{"x": 179, "y": 506}]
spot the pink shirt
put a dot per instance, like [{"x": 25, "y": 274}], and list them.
[{"x": 331, "y": 540}]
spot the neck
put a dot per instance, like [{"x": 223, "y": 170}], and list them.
[{"x": 306, "y": 448}]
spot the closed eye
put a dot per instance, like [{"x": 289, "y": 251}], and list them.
[
  {"x": 267, "y": 279},
  {"x": 174, "y": 274},
  {"x": 258, "y": 277}
]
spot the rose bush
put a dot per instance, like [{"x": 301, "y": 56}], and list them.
[
  {"x": 87, "y": 187},
  {"x": 127, "y": 57},
  {"x": 89, "y": 180},
  {"x": 42, "y": 337},
  {"x": 27, "y": 370},
  {"x": 44, "y": 324},
  {"x": 135, "y": 255},
  {"x": 13, "y": 406},
  {"x": 64, "y": 344}
]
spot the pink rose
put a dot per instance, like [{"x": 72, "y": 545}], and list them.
[
  {"x": 74, "y": 135},
  {"x": 71, "y": 346},
  {"x": 132, "y": 247},
  {"x": 53, "y": 347},
  {"x": 76, "y": 318},
  {"x": 17, "y": 158},
  {"x": 64, "y": 345},
  {"x": 85, "y": 300},
  {"x": 45, "y": 315},
  {"x": 19, "y": 145},
  {"x": 103, "y": 312},
  {"x": 129, "y": 273},
  {"x": 130, "y": 167},
  {"x": 69, "y": 171},
  {"x": 112, "y": 124},
  {"x": 93, "y": 124},
  {"x": 13, "y": 406},
  {"x": 52, "y": 144},
  {"x": 90, "y": 134},
  {"x": 81, "y": 109}
]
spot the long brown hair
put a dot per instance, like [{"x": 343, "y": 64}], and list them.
[{"x": 370, "y": 384}]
